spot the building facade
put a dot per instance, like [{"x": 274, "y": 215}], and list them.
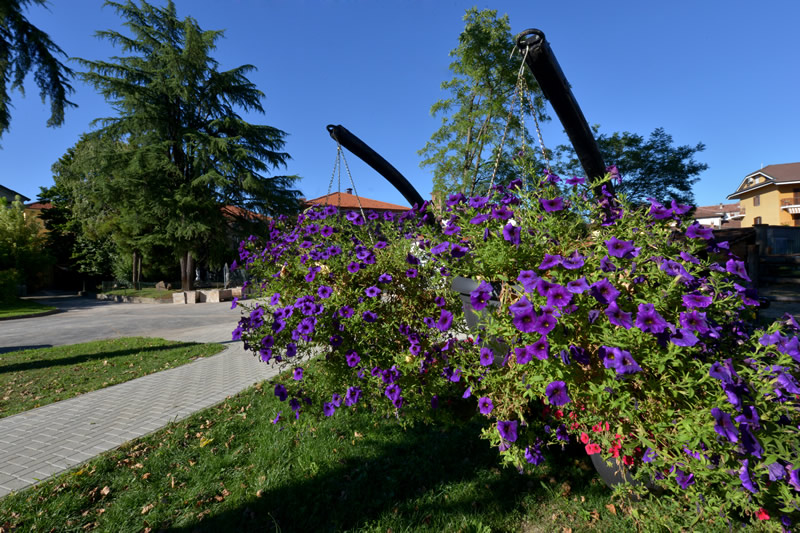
[{"x": 770, "y": 196}]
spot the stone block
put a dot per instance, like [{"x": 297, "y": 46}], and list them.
[
  {"x": 179, "y": 297},
  {"x": 191, "y": 297}
]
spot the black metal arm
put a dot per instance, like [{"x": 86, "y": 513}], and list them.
[
  {"x": 360, "y": 149},
  {"x": 545, "y": 68}
]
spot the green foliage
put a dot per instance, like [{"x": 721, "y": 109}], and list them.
[
  {"x": 464, "y": 150},
  {"x": 9, "y": 279},
  {"x": 650, "y": 168},
  {"x": 21, "y": 245},
  {"x": 23, "y": 46},
  {"x": 178, "y": 152},
  {"x": 17, "y": 307}
]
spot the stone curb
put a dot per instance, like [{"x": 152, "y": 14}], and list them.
[{"x": 32, "y": 315}]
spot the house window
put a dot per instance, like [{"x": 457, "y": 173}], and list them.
[
  {"x": 757, "y": 220},
  {"x": 757, "y": 200}
]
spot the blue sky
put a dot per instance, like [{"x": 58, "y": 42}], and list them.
[{"x": 722, "y": 73}]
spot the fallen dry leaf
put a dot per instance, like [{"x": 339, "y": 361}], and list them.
[
  {"x": 611, "y": 508},
  {"x": 105, "y": 491},
  {"x": 145, "y": 476},
  {"x": 147, "y": 508}
]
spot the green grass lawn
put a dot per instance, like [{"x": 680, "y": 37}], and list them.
[
  {"x": 32, "y": 378},
  {"x": 143, "y": 293},
  {"x": 229, "y": 468},
  {"x": 21, "y": 308}
]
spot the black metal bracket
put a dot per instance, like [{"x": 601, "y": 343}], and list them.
[{"x": 359, "y": 148}]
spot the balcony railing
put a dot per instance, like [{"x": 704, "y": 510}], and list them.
[
  {"x": 792, "y": 205},
  {"x": 735, "y": 215}
]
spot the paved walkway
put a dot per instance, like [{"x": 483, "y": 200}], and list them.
[{"x": 42, "y": 442}]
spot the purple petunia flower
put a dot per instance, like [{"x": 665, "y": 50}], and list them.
[
  {"x": 744, "y": 476},
  {"x": 534, "y": 455},
  {"x": 353, "y": 267},
  {"x": 557, "y": 394},
  {"x": 620, "y": 360},
  {"x": 291, "y": 349},
  {"x": 352, "y": 358},
  {"x": 618, "y": 317},
  {"x": 324, "y": 291},
  {"x": 648, "y": 319},
  {"x": 280, "y": 392},
  {"x": 684, "y": 337},
  {"x": 480, "y": 296},
  {"x": 352, "y": 396},
  {"x": 696, "y": 231},
  {"x": 603, "y": 291},
  {"x": 384, "y": 278},
  {"x": 574, "y": 261},
  {"x": 487, "y": 356},
  {"x": 525, "y": 321},
  {"x": 683, "y": 479},
  {"x": 724, "y": 425},
  {"x": 524, "y": 354},
  {"x": 485, "y": 405},
  {"x": 528, "y": 278},
  {"x": 501, "y": 213},
  {"x": 440, "y": 248},
  {"x": 233, "y": 303},
  {"x": 575, "y": 181},
  {"x": 607, "y": 265},
  {"x": 737, "y": 267},
  {"x": 392, "y": 391},
  {"x": 355, "y": 218},
  {"x": 452, "y": 229},
  {"x": 479, "y": 219},
  {"x": 541, "y": 348},
  {"x": 276, "y": 298},
  {"x": 696, "y": 300},
  {"x": 478, "y": 202},
  {"x": 298, "y": 374},
  {"x": 511, "y": 233},
  {"x": 578, "y": 286},
  {"x": 695, "y": 321},
  {"x": 458, "y": 251},
  {"x": 445, "y": 320},
  {"x": 549, "y": 261},
  {"x": 556, "y": 204},
  {"x": 369, "y": 316},
  {"x": 520, "y": 306},
  {"x": 411, "y": 273},
  {"x": 328, "y": 409},
  {"x": 372, "y": 291},
  {"x": 621, "y": 249},
  {"x": 545, "y": 323},
  {"x": 507, "y": 429},
  {"x": 750, "y": 443}
]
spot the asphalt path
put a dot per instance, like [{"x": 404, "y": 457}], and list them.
[{"x": 86, "y": 319}]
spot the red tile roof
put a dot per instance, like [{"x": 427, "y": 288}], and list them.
[
  {"x": 708, "y": 211},
  {"x": 350, "y": 201},
  {"x": 38, "y": 205}
]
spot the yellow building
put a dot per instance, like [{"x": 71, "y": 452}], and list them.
[{"x": 770, "y": 196}]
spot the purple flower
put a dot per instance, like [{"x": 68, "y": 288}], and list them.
[
  {"x": 392, "y": 392},
  {"x": 455, "y": 199},
  {"x": 346, "y": 311},
  {"x": 277, "y": 418},
  {"x": 298, "y": 374},
  {"x": 749, "y": 442},
  {"x": 541, "y": 348},
  {"x": 291, "y": 349},
  {"x": 621, "y": 249},
  {"x": 352, "y": 396},
  {"x": 695, "y": 321},
  {"x": 575, "y": 181},
  {"x": 525, "y": 321},
  {"x": 544, "y": 324},
  {"x": 478, "y": 202},
  {"x": 579, "y": 355},
  {"x": 507, "y": 429},
  {"x": 233, "y": 304},
  {"x": 684, "y": 337},
  {"x": 573, "y": 262},
  {"x": 648, "y": 319},
  {"x": 458, "y": 251},
  {"x": 696, "y": 300},
  {"x": 479, "y": 219},
  {"x": 696, "y": 231},
  {"x": 352, "y": 358},
  {"x": 620, "y": 360},
  {"x": 578, "y": 286},
  {"x": 452, "y": 229},
  {"x": 724, "y": 425},
  {"x": 280, "y": 392},
  {"x": 550, "y": 261},
  {"x": 511, "y": 233},
  {"x": 556, "y": 204},
  {"x": 384, "y": 278},
  {"x": 485, "y": 405},
  {"x": 276, "y": 298},
  {"x": 534, "y": 455},
  {"x": 607, "y": 265},
  {"x": 411, "y": 273},
  {"x": 307, "y": 325},
  {"x": 487, "y": 356},
  {"x": 372, "y": 292},
  {"x": 683, "y": 479},
  {"x": 480, "y": 296},
  {"x": 501, "y": 213},
  {"x": 312, "y": 272},
  {"x": 603, "y": 291},
  {"x": 528, "y": 278},
  {"x": 557, "y": 394},
  {"x": 737, "y": 267},
  {"x": 355, "y": 218},
  {"x": 324, "y": 291},
  {"x": 524, "y": 354},
  {"x": 445, "y": 320},
  {"x": 521, "y": 306},
  {"x": 369, "y": 316},
  {"x": 328, "y": 409},
  {"x": 744, "y": 476},
  {"x": 618, "y": 317},
  {"x": 353, "y": 267},
  {"x": 440, "y": 248}
]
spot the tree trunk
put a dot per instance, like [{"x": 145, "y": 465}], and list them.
[
  {"x": 187, "y": 271},
  {"x": 134, "y": 261}
]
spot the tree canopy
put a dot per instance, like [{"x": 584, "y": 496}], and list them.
[
  {"x": 649, "y": 168},
  {"x": 477, "y": 114},
  {"x": 23, "y": 47},
  {"x": 178, "y": 148}
]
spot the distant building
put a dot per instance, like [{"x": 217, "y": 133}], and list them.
[
  {"x": 349, "y": 201},
  {"x": 10, "y": 195},
  {"x": 770, "y": 196},
  {"x": 719, "y": 216}
]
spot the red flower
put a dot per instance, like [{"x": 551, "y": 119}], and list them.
[
  {"x": 597, "y": 428},
  {"x": 762, "y": 514},
  {"x": 584, "y": 438},
  {"x": 627, "y": 460},
  {"x": 593, "y": 448}
]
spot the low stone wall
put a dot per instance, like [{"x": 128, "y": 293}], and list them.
[
  {"x": 133, "y": 299},
  {"x": 206, "y": 295}
]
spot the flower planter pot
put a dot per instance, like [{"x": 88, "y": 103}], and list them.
[
  {"x": 464, "y": 286},
  {"x": 614, "y": 474}
]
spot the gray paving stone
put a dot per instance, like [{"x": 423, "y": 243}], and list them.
[{"x": 50, "y": 439}]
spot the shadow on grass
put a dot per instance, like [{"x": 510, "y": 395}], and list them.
[
  {"x": 9, "y": 349},
  {"x": 84, "y": 358},
  {"x": 419, "y": 479}
]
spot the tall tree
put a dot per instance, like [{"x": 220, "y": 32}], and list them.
[
  {"x": 649, "y": 168},
  {"x": 190, "y": 152},
  {"x": 22, "y": 47},
  {"x": 477, "y": 113}
]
